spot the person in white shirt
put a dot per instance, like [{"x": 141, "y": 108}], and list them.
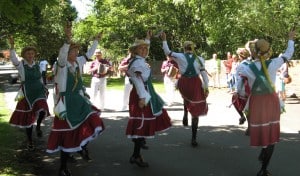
[
  {"x": 263, "y": 105},
  {"x": 32, "y": 97},
  {"x": 146, "y": 113},
  {"x": 193, "y": 83},
  {"x": 76, "y": 121},
  {"x": 43, "y": 68}
]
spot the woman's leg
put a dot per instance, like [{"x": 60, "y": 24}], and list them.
[
  {"x": 136, "y": 157},
  {"x": 29, "y": 138},
  {"x": 38, "y": 124},
  {"x": 63, "y": 170},
  {"x": 85, "y": 153},
  {"x": 195, "y": 121},
  {"x": 265, "y": 157},
  {"x": 185, "y": 114}
]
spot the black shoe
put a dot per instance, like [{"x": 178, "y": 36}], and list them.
[
  {"x": 64, "y": 172},
  {"x": 139, "y": 161},
  {"x": 194, "y": 143},
  {"x": 264, "y": 173},
  {"x": 185, "y": 121},
  {"x": 39, "y": 132},
  {"x": 242, "y": 120},
  {"x": 30, "y": 146}
]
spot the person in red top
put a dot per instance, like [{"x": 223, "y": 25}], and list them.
[
  {"x": 228, "y": 63},
  {"x": 170, "y": 78},
  {"x": 99, "y": 69}
]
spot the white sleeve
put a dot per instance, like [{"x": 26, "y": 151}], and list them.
[
  {"x": 205, "y": 79},
  {"x": 14, "y": 59},
  {"x": 140, "y": 88},
  {"x": 289, "y": 51},
  {"x": 92, "y": 49},
  {"x": 63, "y": 55}
]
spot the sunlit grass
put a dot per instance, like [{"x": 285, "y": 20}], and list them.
[{"x": 9, "y": 137}]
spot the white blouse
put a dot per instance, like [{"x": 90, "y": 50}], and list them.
[
  {"x": 64, "y": 65},
  {"x": 273, "y": 66},
  {"x": 183, "y": 64}
]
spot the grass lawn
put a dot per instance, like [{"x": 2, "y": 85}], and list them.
[{"x": 10, "y": 138}]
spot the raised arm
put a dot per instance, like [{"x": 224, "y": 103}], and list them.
[
  {"x": 93, "y": 48},
  {"x": 13, "y": 55},
  {"x": 63, "y": 52},
  {"x": 290, "y": 48}
]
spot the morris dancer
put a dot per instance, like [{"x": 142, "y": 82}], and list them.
[
  {"x": 79, "y": 123},
  {"x": 146, "y": 113},
  {"x": 32, "y": 97},
  {"x": 264, "y": 107},
  {"x": 239, "y": 100},
  {"x": 193, "y": 83}
]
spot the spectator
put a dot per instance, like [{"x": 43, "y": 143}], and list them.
[
  {"x": 43, "y": 68},
  {"x": 170, "y": 70}
]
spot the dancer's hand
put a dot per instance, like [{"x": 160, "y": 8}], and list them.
[{"x": 142, "y": 103}]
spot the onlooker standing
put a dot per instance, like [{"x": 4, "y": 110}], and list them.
[
  {"x": 43, "y": 68},
  {"x": 215, "y": 70},
  {"x": 227, "y": 63},
  {"x": 100, "y": 69},
  {"x": 264, "y": 106},
  {"x": 283, "y": 72},
  {"x": 233, "y": 73},
  {"x": 127, "y": 85},
  {"x": 32, "y": 97},
  {"x": 170, "y": 70}
]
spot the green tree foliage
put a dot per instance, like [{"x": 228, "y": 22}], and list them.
[
  {"x": 215, "y": 26},
  {"x": 35, "y": 22}
]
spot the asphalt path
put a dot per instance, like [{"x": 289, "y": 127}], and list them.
[{"x": 223, "y": 148}]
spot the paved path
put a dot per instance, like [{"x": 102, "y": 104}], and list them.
[{"x": 223, "y": 148}]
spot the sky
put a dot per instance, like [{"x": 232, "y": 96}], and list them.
[{"x": 83, "y": 7}]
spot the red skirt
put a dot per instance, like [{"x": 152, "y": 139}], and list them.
[
  {"x": 142, "y": 122},
  {"x": 192, "y": 92},
  {"x": 239, "y": 102},
  {"x": 24, "y": 116},
  {"x": 64, "y": 138},
  {"x": 264, "y": 118}
]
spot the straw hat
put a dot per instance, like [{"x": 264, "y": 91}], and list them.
[
  {"x": 262, "y": 46},
  {"x": 243, "y": 52},
  {"x": 188, "y": 44},
  {"x": 137, "y": 42},
  {"x": 74, "y": 45},
  {"x": 28, "y": 48}
]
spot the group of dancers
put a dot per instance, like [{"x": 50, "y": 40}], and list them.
[{"x": 77, "y": 121}]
